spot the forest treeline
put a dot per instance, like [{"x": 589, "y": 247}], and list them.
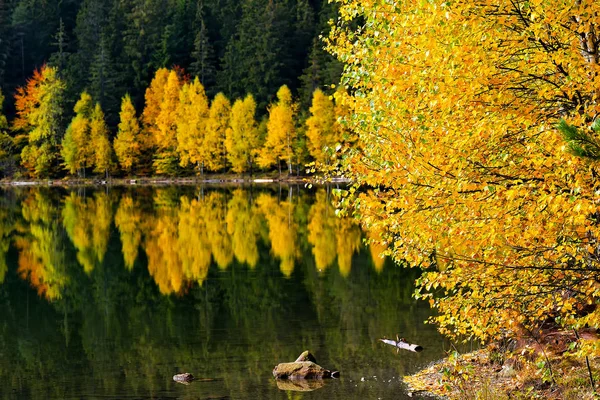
[
  {"x": 112, "y": 50},
  {"x": 179, "y": 131}
]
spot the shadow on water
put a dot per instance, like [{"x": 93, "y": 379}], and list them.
[{"x": 108, "y": 294}]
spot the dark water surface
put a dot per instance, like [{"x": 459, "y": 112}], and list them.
[{"x": 106, "y": 293}]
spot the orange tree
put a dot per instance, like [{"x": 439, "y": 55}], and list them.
[{"x": 455, "y": 106}]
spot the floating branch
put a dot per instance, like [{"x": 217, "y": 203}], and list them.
[{"x": 401, "y": 344}]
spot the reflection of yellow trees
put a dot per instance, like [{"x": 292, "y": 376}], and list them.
[
  {"x": 347, "y": 243},
  {"x": 6, "y": 229},
  {"x": 183, "y": 239},
  {"x": 216, "y": 228},
  {"x": 243, "y": 224},
  {"x": 283, "y": 230},
  {"x": 128, "y": 220},
  {"x": 41, "y": 261},
  {"x": 377, "y": 248},
  {"x": 321, "y": 231},
  {"x": 193, "y": 242},
  {"x": 331, "y": 236},
  {"x": 164, "y": 263},
  {"x": 87, "y": 221}
]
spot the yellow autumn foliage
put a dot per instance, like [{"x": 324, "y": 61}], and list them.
[
  {"x": 192, "y": 116},
  {"x": 455, "y": 108}
]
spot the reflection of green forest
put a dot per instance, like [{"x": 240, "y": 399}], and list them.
[{"x": 139, "y": 284}]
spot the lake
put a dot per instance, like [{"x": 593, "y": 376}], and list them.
[{"x": 108, "y": 292}]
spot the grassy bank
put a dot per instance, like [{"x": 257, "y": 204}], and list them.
[{"x": 546, "y": 368}]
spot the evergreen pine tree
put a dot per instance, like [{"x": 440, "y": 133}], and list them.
[{"x": 203, "y": 65}]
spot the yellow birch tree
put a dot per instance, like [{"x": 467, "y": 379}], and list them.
[{"x": 457, "y": 108}]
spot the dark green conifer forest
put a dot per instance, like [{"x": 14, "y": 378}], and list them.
[{"x": 113, "y": 48}]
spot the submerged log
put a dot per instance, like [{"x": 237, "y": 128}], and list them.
[
  {"x": 303, "y": 368},
  {"x": 401, "y": 344}
]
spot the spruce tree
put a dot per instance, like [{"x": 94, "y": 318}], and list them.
[
  {"x": 323, "y": 70},
  {"x": 203, "y": 64}
]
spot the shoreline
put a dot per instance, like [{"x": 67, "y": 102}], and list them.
[
  {"x": 516, "y": 371},
  {"x": 158, "y": 181}
]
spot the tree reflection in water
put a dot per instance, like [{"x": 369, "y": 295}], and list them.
[{"x": 136, "y": 284}]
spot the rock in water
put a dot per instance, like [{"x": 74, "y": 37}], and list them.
[
  {"x": 306, "y": 356},
  {"x": 305, "y": 367},
  {"x": 183, "y": 378},
  {"x": 300, "y": 370}
]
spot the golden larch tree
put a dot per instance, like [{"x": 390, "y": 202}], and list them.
[
  {"x": 77, "y": 150},
  {"x": 320, "y": 127},
  {"x": 103, "y": 155},
  {"x": 242, "y": 141},
  {"x": 281, "y": 132},
  {"x": 191, "y": 125},
  {"x": 39, "y": 113},
  {"x": 165, "y": 134},
  {"x": 129, "y": 143},
  {"x": 216, "y": 132}
]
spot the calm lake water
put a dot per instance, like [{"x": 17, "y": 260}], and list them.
[{"x": 106, "y": 293}]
